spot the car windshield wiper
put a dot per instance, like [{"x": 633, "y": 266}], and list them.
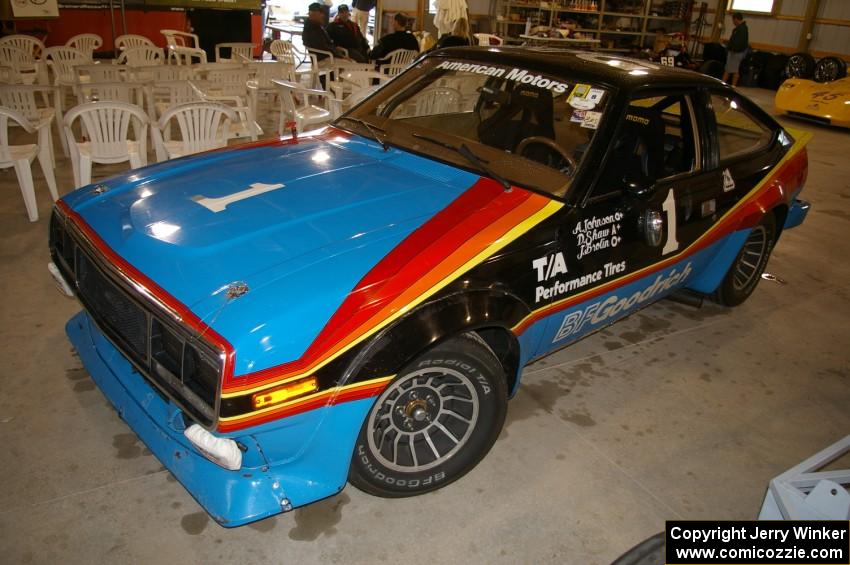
[
  {"x": 373, "y": 130},
  {"x": 467, "y": 153}
]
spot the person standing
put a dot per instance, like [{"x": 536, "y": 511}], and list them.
[
  {"x": 361, "y": 14},
  {"x": 400, "y": 38},
  {"x": 345, "y": 33},
  {"x": 736, "y": 48}
]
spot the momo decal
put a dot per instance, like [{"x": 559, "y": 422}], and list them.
[
  {"x": 560, "y": 288},
  {"x": 608, "y": 309},
  {"x": 594, "y": 234}
]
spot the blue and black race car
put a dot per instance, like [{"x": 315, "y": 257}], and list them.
[{"x": 277, "y": 319}]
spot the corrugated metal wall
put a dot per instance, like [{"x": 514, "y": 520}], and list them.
[{"x": 784, "y": 34}]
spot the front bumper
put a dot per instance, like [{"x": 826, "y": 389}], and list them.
[{"x": 286, "y": 464}]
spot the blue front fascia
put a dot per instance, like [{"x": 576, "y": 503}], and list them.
[
  {"x": 301, "y": 249},
  {"x": 286, "y": 464}
]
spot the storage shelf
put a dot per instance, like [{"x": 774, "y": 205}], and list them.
[{"x": 550, "y": 12}]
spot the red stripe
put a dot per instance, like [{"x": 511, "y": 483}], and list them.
[
  {"x": 413, "y": 258},
  {"x": 151, "y": 288},
  {"x": 776, "y": 190}
]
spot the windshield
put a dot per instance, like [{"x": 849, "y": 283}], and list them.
[{"x": 528, "y": 128}]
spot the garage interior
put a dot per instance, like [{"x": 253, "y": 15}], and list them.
[{"x": 674, "y": 413}]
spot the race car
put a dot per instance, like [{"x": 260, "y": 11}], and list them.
[
  {"x": 356, "y": 305},
  {"x": 825, "y": 100}
]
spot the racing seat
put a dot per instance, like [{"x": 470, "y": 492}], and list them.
[
  {"x": 529, "y": 112},
  {"x": 638, "y": 150}
]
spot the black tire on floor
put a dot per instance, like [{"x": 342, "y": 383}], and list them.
[
  {"x": 800, "y": 65},
  {"x": 434, "y": 422},
  {"x": 829, "y": 69},
  {"x": 746, "y": 270}
]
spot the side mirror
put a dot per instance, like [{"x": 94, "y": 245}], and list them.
[{"x": 637, "y": 185}]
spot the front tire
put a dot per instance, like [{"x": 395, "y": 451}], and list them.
[
  {"x": 745, "y": 273},
  {"x": 434, "y": 422}
]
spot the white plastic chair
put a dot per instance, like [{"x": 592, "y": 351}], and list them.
[
  {"x": 353, "y": 86},
  {"x": 488, "y": 39},
  {"x": 63, "y": 62},
  {"x": 182, "y": 47},
  {"x": 141, "y": 56},
  {"x": 262, "y": 82},
  {"x": 397, "y": 61},
  {"x": 160, "y": 73},
  {"x": 239, "y": 52},
  {"x": 16, "y": 59},
  {"x": 295, "y": 103},
  {"x": 99, "y": 73},
  {"x": 203, "y": 126},
  {"x": 113, "y": 91},
  {"x": 439, "y": 100},
  {"x": 230, "y": 86},
  {"x": 130, "y": 40},
  {"x": 286, "y": 52},
  {"x": 162, "y": 95},
  {"x": 28, "y": 43},
  {"x": 88, "y": 43},
  {"x": 107, "y": 129},
  {"x": 21, "y": 99},
  {"x": 21, "y": 157},
  {"x": 325, "y": 67}
]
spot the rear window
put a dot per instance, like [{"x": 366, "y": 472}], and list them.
[{"x": 738, "y": 133}]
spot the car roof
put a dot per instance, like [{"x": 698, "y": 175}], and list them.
[{"x": 620, "y": 72}]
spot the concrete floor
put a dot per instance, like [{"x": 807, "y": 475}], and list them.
[{"x": 673, "y": 413}]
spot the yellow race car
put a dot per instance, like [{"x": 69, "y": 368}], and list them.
[{"x": 826, "y": 101}]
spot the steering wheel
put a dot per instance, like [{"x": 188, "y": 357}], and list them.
[{"x": 552, "y": 146}]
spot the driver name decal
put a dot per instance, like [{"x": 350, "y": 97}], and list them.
[
  {"x": 594, "y": 234},
  {"x": 517, "y": 75}
]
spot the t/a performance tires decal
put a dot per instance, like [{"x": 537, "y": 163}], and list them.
[
  {"x": 745, "y": 273},
  {"x": 435, "y": 421}
]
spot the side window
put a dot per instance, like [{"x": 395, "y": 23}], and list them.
[
  {"x": 656, "y": 140},
  {"x": 737, "y": 132}
]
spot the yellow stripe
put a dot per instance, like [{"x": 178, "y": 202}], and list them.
[
  {"x": 331, "y": 392},
  {"x": 510, "y": 236},
  {"x": 801, "y": 138}
]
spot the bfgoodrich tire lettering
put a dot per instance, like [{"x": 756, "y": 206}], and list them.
[
  {"x": 745, "y": 272},
  {"x": 433, "y": 423}
]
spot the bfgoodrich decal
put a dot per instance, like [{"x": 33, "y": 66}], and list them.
[{"x": 608, "y": 309}]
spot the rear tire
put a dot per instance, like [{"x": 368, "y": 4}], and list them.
[
  {"x": 746, "y": 270},
  {"x": 830, "y": 69},
  {"x": 434, "y": 422},
  {"x": 800, "y": 65}
]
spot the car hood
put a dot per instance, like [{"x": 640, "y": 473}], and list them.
[{"x": 299, "y": 223}]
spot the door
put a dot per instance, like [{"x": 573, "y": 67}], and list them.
[{"x": 654, "y": 198}]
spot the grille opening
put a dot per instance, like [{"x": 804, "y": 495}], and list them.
[
  {"x": 166, "y": 348},
  {"x": 115, "y": 310},
  {"x": 182, "y": 367},
  {"x": 200, "y": 374}
]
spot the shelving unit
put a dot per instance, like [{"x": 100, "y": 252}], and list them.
[{"x": 620, "y": 25}]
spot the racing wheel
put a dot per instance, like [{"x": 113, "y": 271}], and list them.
[{"x": 555, "y": 157}]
